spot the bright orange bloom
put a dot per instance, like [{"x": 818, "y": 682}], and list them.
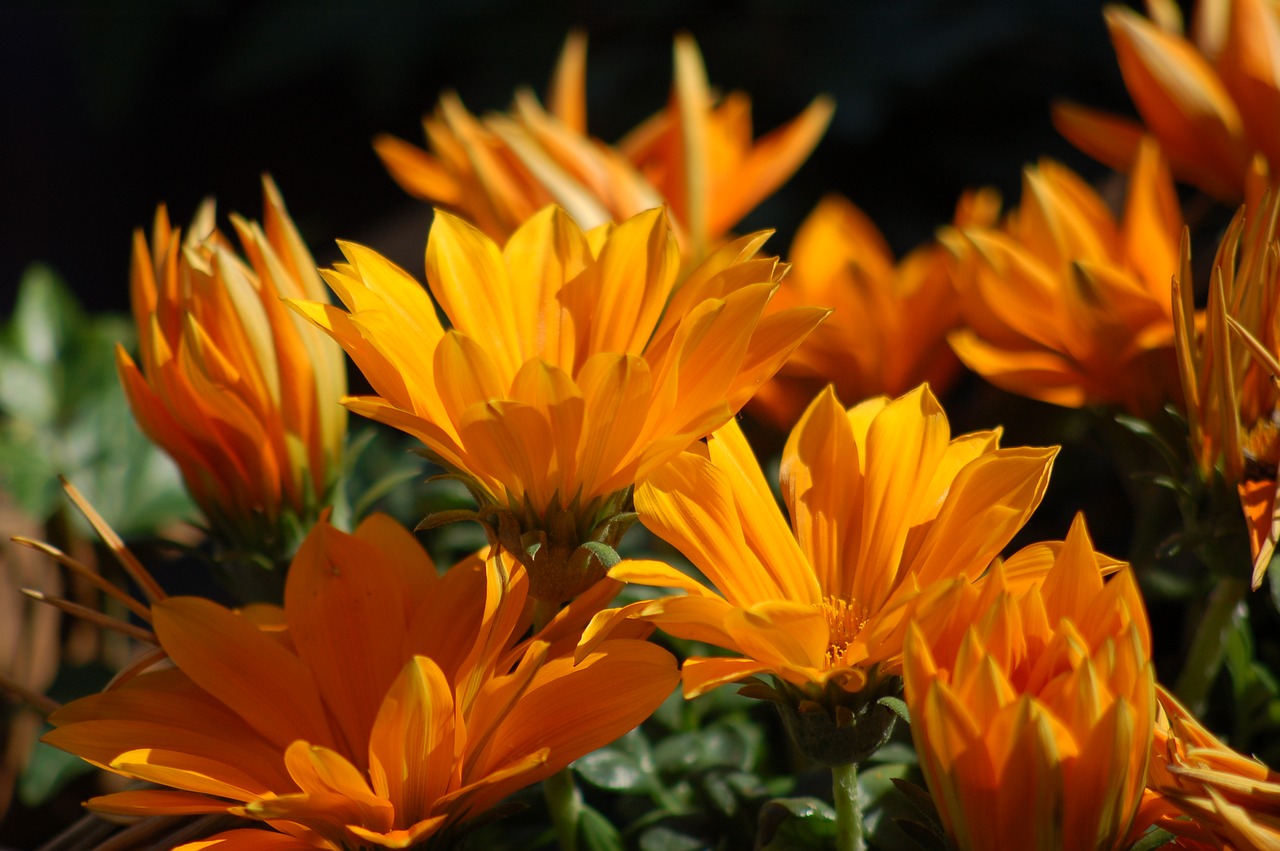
[
  {"x": 1210, "y": 99},
  {"x": 241, "y": 393},
  {"x": 887, "y": 332},
  {"x": 1228, "y": 370},
  {"x": 883, "y": 503},
  {"x": 1032, "y": 704},
  {"x": 383, "y": 704},
  {"x": 1067, "y": 305},
  {"x": 1203, "y": 791},
  {"x": 697, "y": 157},
  {"x": 573, "y": 368}
]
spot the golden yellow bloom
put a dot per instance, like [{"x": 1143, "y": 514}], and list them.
[
  {"x": 887, "y": 332},
  {"x": 697, "y": 157},
  {"x": 1210, "y": 99},
  {"x": 383, "y": 704},
  {"x": 1067, "y": 305},
  {"x": 241, "y": 393},
  {"x": 883, "y": 502},
  {"x": 572, "y": 369},
  {"x": 1032, "y": 704},
  {"x": 1202, "y": 791},
  {"x": 1227, "y": 367}
]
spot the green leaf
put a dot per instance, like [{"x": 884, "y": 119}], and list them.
[
  {"x": 923, "y": 835},
  {"x": 897, "y": 706},
  {"x": 1273, "y": 580},
  {"x": 610, "y": 769},
  {"x": 664, "y": 838},
  {"x": 45, "y": 317},
  {"x": 596, "y": 832},
  {"x": 605, "y": 554},
  {"x": 920, "y": 800},
  {"x": 47, "y": 772},
  {"x": 792, "y": 824},
  {"x": 1143, "y": 430},
  {"x": 1152, "y": 839}
]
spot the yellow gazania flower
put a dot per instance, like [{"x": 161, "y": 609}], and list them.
[
  {"x": 696, "y": 156},
  {"x": 883, "y": 502},
  {"x": 887, "y": 332},
  {"x": 1204, "y": 792},
  {"x": 571, "y": 371},
  {"x": 1211, "y": 100},
  {"x": 241, "y": 393},
  {"x": 1032, "y": 704},
  {"x": 382, "y": 705},
  {"x": 1063, "y": 303}
]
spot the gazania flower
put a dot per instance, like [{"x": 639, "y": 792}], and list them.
[
  {"x": 1032, "y": 704},
  {"x": 1065, "y": 304},
  {"x": 572, "y": 369},
  {"x": 1203, "y": 791},
  {"x": 1211, "y": 98},
  {"x": 1228, "y": 371},
  {"x": 883, "y": 502},
  {"x": 381, "y": 706},
  {"x": 696, "y": 156},
  {"x": 242, "y": 393},
  {"x": 887, "y": 332}
]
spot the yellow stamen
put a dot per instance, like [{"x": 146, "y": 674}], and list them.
[{"x": 844, "y": 621}]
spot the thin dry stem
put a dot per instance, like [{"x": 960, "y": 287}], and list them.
[
  {"x": 88, "y": 573},
  {"x": 128, "y": 560},
  {"x": 93, "y": 616}
]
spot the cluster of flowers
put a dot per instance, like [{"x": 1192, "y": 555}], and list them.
[{"x": 604, "y": 327}]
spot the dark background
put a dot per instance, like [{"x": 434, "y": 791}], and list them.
[{"x": 109, "y": 107}]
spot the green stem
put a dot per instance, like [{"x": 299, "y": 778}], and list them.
[
  {"x": 844, "y": 788},
  {"x": 1204, "y": 659},
  {"x": 564, "y": 802}
]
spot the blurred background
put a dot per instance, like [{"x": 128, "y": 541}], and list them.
[{"x": 113, "y": 106}]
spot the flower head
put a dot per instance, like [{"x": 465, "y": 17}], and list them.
[
  {"x": 1204, "y": 792},
  {"x": 883, "y": 503},
  {"x": 1228, "y": 364},
  {"x": 573, "y": 369},
  {"x": 241, "y": 393},
  {"x": 1032, "y": 703},
  {"x": 1210, "y": 98},
  {"x": 382, "y": 705},
  {"x": 887, "y": 331},
  {"x": 697, "y": 157},
  {"x": 1064, "y": 303}
]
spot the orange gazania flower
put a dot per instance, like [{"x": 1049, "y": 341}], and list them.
[
  {"x": 1204, "y": 792},
  {"x": 697, "y": 157},
  {"x": 1065, "y": 304},
  {"x": 1228, "y": 369},
  {"x": 241, "y": 393},
  {"x": 883, "y": 502},
  {"x": 1210, "y": 99},
  {"x": 1032, "y": 703},
  {"x": 382, "y": 705},
  {"x": 887, "y": 330},
  {"x": 571, "y": 372}
]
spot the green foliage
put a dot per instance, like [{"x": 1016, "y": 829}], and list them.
[{"x": 63, "y": 412}]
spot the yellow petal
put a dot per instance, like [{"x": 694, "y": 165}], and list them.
[{"x": 413, "y": 739}]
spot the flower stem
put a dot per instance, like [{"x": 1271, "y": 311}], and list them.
[
  {"x": 1204, "y": 659},
  {"x": 844, "y": 788},
  {"x": 564, "y": 802}
]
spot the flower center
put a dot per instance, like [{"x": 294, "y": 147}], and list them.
[{"x": 844, "y": 621}]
